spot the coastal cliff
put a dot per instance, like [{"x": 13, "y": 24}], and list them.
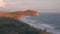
[{"x": 13, "y": 26}]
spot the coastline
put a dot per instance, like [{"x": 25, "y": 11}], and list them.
[{"x": 13, "y": 26}]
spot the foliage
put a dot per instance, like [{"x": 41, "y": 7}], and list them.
[{"x": 13, "y": 26}]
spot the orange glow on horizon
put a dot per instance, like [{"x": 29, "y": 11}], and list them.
[{"x": 19, "y": 14}]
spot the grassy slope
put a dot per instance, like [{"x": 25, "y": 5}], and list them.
[{"x": 13, "y": 26}]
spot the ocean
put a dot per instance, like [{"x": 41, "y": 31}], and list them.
[{"x": 49, "y": 21}]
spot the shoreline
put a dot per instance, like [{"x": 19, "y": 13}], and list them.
[{"x": 13, "y": 26}]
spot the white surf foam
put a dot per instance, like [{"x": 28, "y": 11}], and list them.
[
  {"x": 41, "y": 25},
  {"x": 36, "y": 24}
]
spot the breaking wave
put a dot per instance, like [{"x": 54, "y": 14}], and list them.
[{"x": 41, "y": 25}]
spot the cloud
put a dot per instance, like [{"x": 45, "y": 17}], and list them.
[
  {"x": 2, "y": 3},
  {"x": 42, "y": 4}
]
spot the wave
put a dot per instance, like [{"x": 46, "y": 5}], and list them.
[
  {"x": 41, "y": 25},
  {"x": 37, "y": 24}
]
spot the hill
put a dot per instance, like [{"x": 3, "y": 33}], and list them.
[{"x": 13, "y": 26}]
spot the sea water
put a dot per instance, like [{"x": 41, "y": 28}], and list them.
[{"x": 48, "y": 21}]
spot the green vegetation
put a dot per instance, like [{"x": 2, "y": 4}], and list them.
[{"x": 13, "y": 26}]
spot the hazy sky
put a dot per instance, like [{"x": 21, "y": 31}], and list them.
[
  {"x": 2, "y": 4},
  {"x": 31, "y": 4}
]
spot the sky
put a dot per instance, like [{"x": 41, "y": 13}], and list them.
[
  {"x": 40, "y": 5},
  {"x": 2, "y": 4}
]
